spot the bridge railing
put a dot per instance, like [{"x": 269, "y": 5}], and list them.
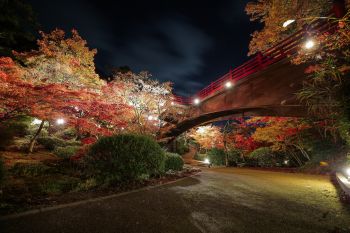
[{"x": 261, "y": 61}]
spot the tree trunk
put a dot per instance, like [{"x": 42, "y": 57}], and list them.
[{"x": 32, "y": 142}]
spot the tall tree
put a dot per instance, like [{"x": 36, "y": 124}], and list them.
[
  {"x": 18, "y": 26},
  {"x": 273, "y": 13}
]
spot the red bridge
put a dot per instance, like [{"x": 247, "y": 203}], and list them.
[{"x": 263, "y": 86}]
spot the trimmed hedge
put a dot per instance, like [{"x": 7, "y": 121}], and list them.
[
  {"x": 263, "y": 156},
  {"x": 200, "y": 157},
  {"x": 50, "y": 143},
  {"x": 234, "y": 156},
  {"x": 173, "y": 162},
  {"x": 216, "y": 156},
  {"x": 66, "y": 152},
  {"x": 125, "y": 157}
]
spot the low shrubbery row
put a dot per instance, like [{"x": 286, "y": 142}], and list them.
[{"x": 51, "y": 143}]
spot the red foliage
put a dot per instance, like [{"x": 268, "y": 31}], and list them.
[
  {"x": 88, "y": 141},
  {"x": 245, "y": 143}
]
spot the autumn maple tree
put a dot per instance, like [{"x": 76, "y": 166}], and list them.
[
  {"x": 59, "y": 81},
  {"x": 148, "y": 99},
  {"x": 273, "y": 13},
  {"x": 285, "y": 135},
  {"x": 207, "y": 137}
]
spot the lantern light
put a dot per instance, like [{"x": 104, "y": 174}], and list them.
[
  {"x": 288, "y": 22},
  {"x": 60, "y": 121},
  {"x": 36, "y": 121},
  {"x": 228, "y": 84},
  {"x": 196, "y": 101},
  {"x": 309, "y": 44}
]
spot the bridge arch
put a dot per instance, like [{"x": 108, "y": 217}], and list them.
[{"x": 281, "y": 110}]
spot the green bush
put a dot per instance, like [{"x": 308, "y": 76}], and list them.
[
  {"x": 200, "y": 157},
  {"x": 173, "y": 162},
  {"x": 50, "y": 143},
  {"x": 2, "y": 172},
  {"x": 10, "y": 129},
  {"x": 26, "y": 170},
  {"x": 216, "y": 156},
  {"x": 57, "y": 185},
  {"x": 86, "y": 184},
  {"x": 234, "y": 156},
  {"x": 263, "y": 157},
  {"x": 66, "y": 152},
  {"x": 181, "y": 146},
  {"x": 125, "y": 157}
]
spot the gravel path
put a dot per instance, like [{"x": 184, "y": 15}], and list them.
[{"x": 217, "y": 200}]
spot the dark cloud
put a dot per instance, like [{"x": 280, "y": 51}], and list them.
[
  {"x": 171, "y": 49},
  {"x": 189, "y": 43}
]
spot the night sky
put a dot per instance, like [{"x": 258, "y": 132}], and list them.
[{"x": 190, "y": 43}]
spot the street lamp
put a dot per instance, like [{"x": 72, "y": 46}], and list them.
[
  {"x": 228, "y": 84},
  {"x": 288, "y": 22},
  {"x": 196, "y": 101},
  {"x": 309, "y": 44}
]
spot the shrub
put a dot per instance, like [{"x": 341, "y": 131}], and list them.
[
  {"x": 234, "y": 156},
  {"x": 29, "y": 169},
  {"x": 263, "y": 157},
  {"x": 200, "y": 157},
  {"x": 173, "y": 161},
  {"x": 66, "y": 152},
  {"x": 50, "y": 143},
  {"x": 57, "y": 185},
  {"x": 2, "y": 172},
  {"x": 125, "y": 157},
  {"x": 181, "y": 146},
  {"x": 86, "y": 184},
  {"x": 10, "y": 129},
  {"x": 216, "y": 156}
]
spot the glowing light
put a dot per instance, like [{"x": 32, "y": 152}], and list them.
[
  {"x": 60, "y": 121},
  {"x": 122, "y": 128},
  {"x": 286, "y": 162},
  {"x": 150, "y": 118},
  {"x": 207, "y": 161},
  {"x": 201, "y": 130},
  {"x": 172, "y": 103},
  {"x": 196, "y": 101},
  {"x": 288, "y": 22},
  {"x": 228, "y": 84},
  {"x": 36, "y": 121},
  {"x": 76, "y": 108},
  {"x": 348, "y": 171},
  {"x": 309, "y": 44}
]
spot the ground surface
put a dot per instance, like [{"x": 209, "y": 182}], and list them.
[{"x": 217, "y": 200}]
